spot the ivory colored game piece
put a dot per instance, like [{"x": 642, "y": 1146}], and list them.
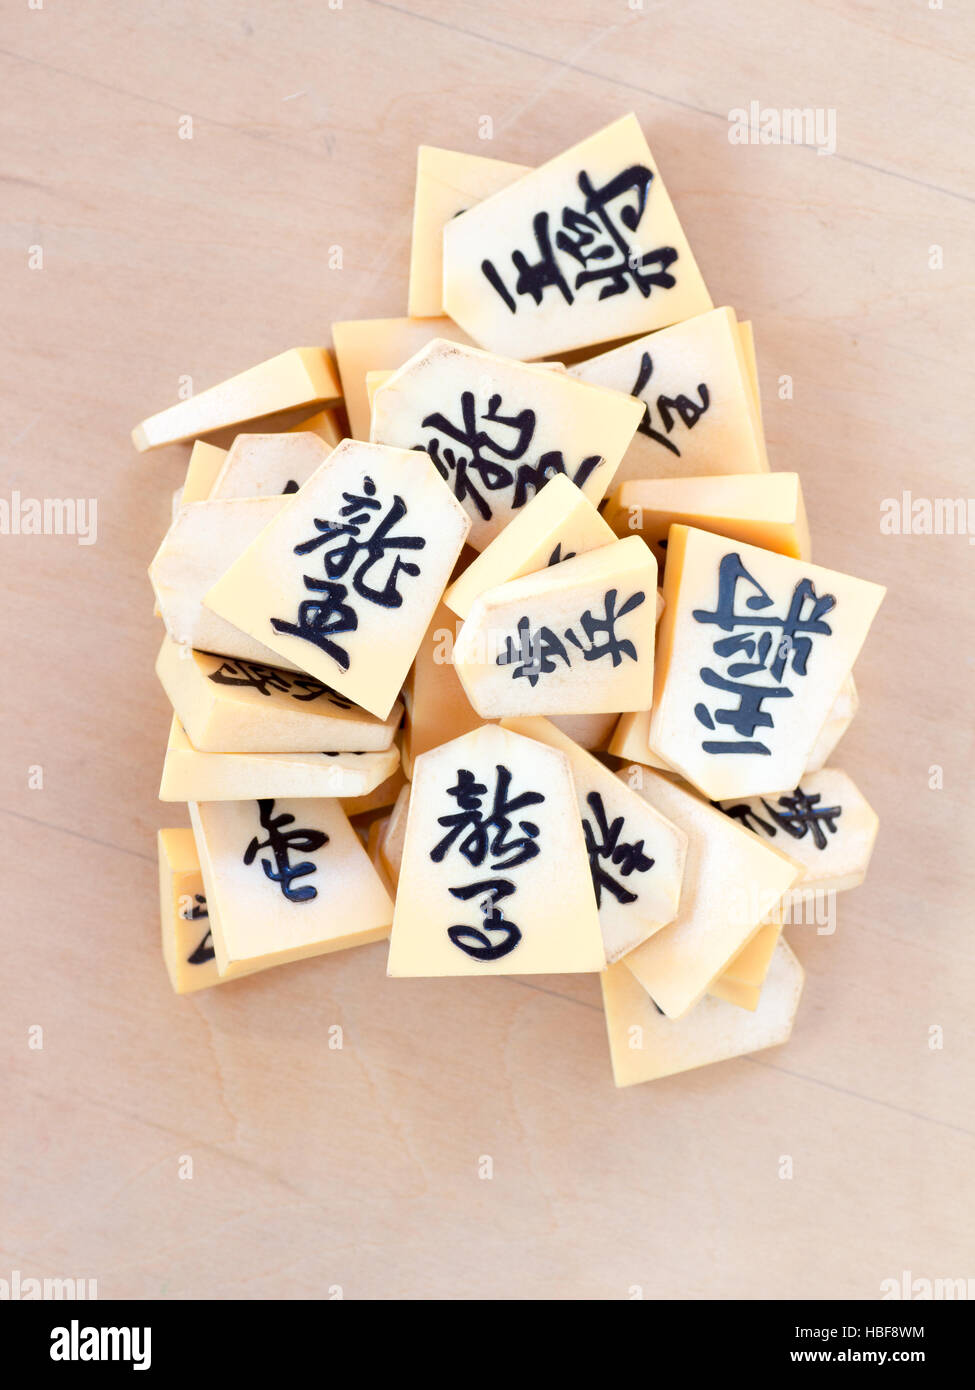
[
  {"x": 267, "y": 465},
  {"x": 368, "y": 345},
  {"x": 325, "y": 423},
  {"x": 763, "y": 509},
  {"x": 556, "y": 524},
  {"x": 741, "y": 982},
  {"x": 447, "y": 183},
  {"x": 394, "y": 836},
  {"x": 236, "y": 706},
  {"x": 746, "y": 334},
  {"x": 206, "y": 461},
  {"x": 202, "y": 542},
  {"x": 346, "y": 578},
  {"x": 838, "y": 720},
  {"x": 383, "y": 795},
  {"x": 495, "y": 876},
  {"x": 285, "y": 879},
  {"x": 636, "y": 855},
  {"x": 585, "y": 249},
  {"x": 498, "y": 430},
  {"x": 591, "y": 731},
  {"x": 300, "y": 376},
  {"x": 644, "y": 1045},
  {"x": 437, "y": 707},
  {"x": 186, "y": 940},
  {"x": 728, "y": 890},
  {"x": 733, "y": 992},
  {"x": 752, "y": 651},
  {"x": 189, "y": 775},
  {"x": 576, "y": 638},
  {"x": 701, "y": 413},
  {"x": 630, "y": 740},
  {"x": 825, "y": 823}
]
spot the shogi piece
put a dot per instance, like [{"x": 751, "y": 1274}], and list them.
[
  {"x": 557, "y": 524},
  {"x": 495, "y": 876},
  {"x": 585, "y": 249},
  {"x": 187, "y": 941},
  {"x": 497, "y": 430},
  {"x": 345, "y": 581},
  {"x": 447, "y": 184},
  {"x": 752, "y": 651},
  {"x": 700, "y": 395},
  {"x": 838, "y": 720},
  {"x": 236, "y": 706},
  {"x": 576, "y": 638},
  {"x": 393, "y": 838},
  {"x": 202, "y": 471},
  {"x": 437, "y": 707},
  {"x": 370, "y": 345},
  {"x": 644, "y": 1045},
  {"x": 728, "y": 891},
  {"x": 204, "y": 539},
  {"x": 742, "y": 980},
  {"x": 825, "y": 823},
  {"x": 327, "y": 424},
  {"x": 267, "y": 465},
  {"x": 763, "y": 509},
  {"x": 636, "y": 855},
  {"x": 300, "y": 376},
  {"x": 189, "y": 775},
  {"x": 285, "y": 879}
]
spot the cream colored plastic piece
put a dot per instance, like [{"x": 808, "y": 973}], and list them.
[
  {"x": 373, "y": 382},
  {"x": 447, "y": 183},
  {"x": 701, "y": 414},
  {"x": 186, "y": 939},
  {"x": 764, "y": 509},
  {"x": 730, "y": 608},
  {"x": 202, "y": 542},
  {"x": 206, "y": 461},
  {"x": 189, "y": 775},
  {"x": 325, "y": 423},
  {"x": 834, "y": 849},
  {"x": 636, "y": 855},
  {"x": 380, "y": 531},
  {"x": 495, "y": 877},
  {"x": 267, "y": 465},
  {"x": 645, "y": 1046},
  {"x": 623, "y": 243},
  {"x": 300, "y": 376},
  {"x": 393, "y": 838},
  {"x": 576, "y": 638},
  {"x": 556, "y": 524},
  {"x": 335, "y": 901},
  {"x": 733, "y": 992},
  {"x": 750, "y": 965},
  {"x": 234, "y": 706},
  {"x": 746, "y": 334},
  {"x": 497, "y": 430},
  {"x": 437, "y": 708},
  {"x": 838, "y": 720},
  {"x": 374, "y": 839},
  {"x": 591, "y": 731},
  {"x": 368, "y": 345},
  {"x": 630, "y": 740},
  {"x": 728, "y": 891},
  {"x": 383, "y": 795}
]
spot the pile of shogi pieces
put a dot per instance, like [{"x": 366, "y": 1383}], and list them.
[{"x": 498, "y": 638}]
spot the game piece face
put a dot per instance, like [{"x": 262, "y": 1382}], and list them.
[
  {"x": 229, "y": 705},
  {"x": 286, "y": 879},
  {"x": 269, "y": 465},
  {"x": 763, "y": 509},
  {"x": 585, "y": 249},
  {"x": 645, "y": 1045},
  {"x": 495, "y": 875},
  {"x": 366, "y": 345},
  {"x": 825, "y": 823},
  {"x": 636, "y": 855},
  {"x": 203, "y": 541},
  {"x": 497, "y": 430},
  {"x": 752, "y": 651},
  {"x": 701, "y": 405},
  {"x": 576, "y": 638},
  {"x": 300, "y": 376},
  {"x": 447, "y": 184},
  {"x": 557, "y": 524},
  {"x": 344, "y": 582},
  {"x": 189, "y": 775},
  {"x": 728, "y": 890}
]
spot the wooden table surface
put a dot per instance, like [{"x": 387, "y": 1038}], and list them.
[{"x": 316, "y": 1170}]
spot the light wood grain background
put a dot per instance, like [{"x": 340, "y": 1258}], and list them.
[{"x": 358, "y": 1168}]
